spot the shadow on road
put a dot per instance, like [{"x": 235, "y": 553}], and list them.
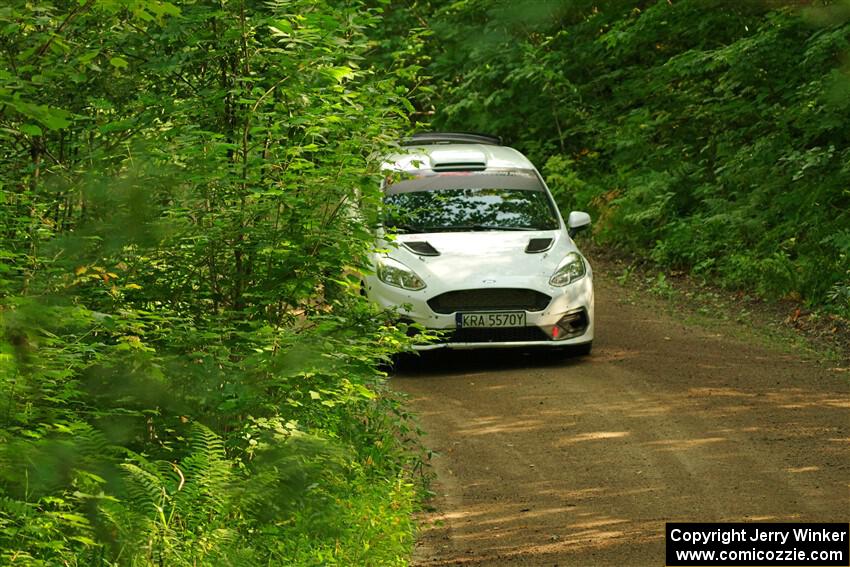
[{"x": 447, "y": 362}]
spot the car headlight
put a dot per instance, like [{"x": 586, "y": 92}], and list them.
[
  {"x": 571, "y": 270},
  {"x": 395, "y": 273}
]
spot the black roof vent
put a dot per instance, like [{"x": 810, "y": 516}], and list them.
[
  {"x": 461, "y": 166},
  {"x": 427, "y": 138},
  {"x": 421, "y": 247},
  {"x": 537, "y": 245}
]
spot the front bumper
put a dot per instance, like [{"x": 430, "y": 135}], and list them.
[{"x": 542, "y": 325}]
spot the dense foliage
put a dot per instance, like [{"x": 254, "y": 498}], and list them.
[
  {"x": 705, "y": 135},
  {"x": 187, "y": 375}
]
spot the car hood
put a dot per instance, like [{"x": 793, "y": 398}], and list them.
[{"x": 475, "y": 259}]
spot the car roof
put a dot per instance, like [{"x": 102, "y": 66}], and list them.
[{"x": 456, "y": 157}]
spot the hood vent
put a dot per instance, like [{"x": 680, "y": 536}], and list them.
[
  {"x": 421, "y": 247},
  {"x": 537, "y": 245}
]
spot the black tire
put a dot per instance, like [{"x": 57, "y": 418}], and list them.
[
  {"x": 579, "y": 350},
  {"x": 405, "y": 362}
]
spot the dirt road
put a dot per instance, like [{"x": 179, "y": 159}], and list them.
[{"x": 581, "y": 462}]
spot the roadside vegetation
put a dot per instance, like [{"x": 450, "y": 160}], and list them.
[
  {"x": 187, "y": 377},
  {"x": 706, "y": 136}
]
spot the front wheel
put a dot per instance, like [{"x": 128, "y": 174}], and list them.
[{"x": 578, "y": 350}]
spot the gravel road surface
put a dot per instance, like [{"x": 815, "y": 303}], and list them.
[{"x": 552, "y": 461}]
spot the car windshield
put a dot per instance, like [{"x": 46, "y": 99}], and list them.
[{"x": 476, "y": 202}]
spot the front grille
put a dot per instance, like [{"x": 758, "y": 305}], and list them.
[
  {"x": 489, "y": 299},
  {"x": 501, "y": 335}
]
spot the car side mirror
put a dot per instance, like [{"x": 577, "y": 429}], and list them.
[{"x": 577, "y": 221}]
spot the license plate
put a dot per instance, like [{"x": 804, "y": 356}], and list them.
[{"x": 500, "y": 319}]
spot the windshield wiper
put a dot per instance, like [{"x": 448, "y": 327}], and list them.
[
  {"x": 526, "y": 227},
  {"x": 474, "y": 227}
]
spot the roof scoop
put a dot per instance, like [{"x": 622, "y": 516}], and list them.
[
  {"x": 458, "y": 160},
  {"x": 421, "y": 247},
  {"x": 538, "y": 245}
]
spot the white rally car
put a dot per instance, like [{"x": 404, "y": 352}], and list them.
[{"x": 473, "y": 244}]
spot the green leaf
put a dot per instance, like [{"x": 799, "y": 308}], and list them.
[
  {"x": 118, "y": 62},
  {"x": 340, "y": 74},
  {"x": 31, "y": 129},
  {"x": 88, "y": 56},
  {"x": 55, "y": 119}
]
